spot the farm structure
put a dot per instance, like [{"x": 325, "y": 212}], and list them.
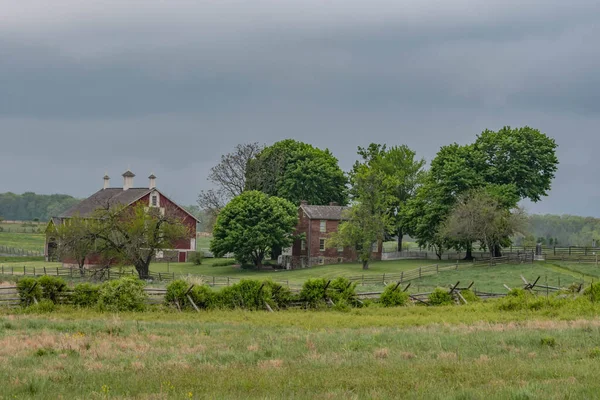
[
  {"x": 315, "y": 224},
  {"x": 127, "y": 196}
]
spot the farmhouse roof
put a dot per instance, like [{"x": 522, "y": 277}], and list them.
[
  {"x": 110, "y": 197},
  {"x": 331, "y": 213}
]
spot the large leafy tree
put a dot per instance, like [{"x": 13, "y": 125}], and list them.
[
  {"x": 229, "y": 179},
  {"x": 369, "y": 218},
  {"x": 253, "y": 223},
  {"x": 513, "y": 164},
  {"x": 133, "y": 235},
  {"x": 75, "y": 240},
  {"x": 480, "y": 215},
  {"x": 401, "y": 173},
  {"x": 297, "y": 171}
]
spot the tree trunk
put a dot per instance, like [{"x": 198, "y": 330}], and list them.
[
  {"x": 497, "y": 250},
  {"x": 143, "y": 270},
  {"x": 469, "y": 255},
  {"x": 81, "y": 267},
  {"x": 276, "y": 252},
  {"x": 365, "y": 264},
  {"x": 400, "y": 234}
]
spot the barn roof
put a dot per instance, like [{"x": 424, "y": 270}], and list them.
[
  {"x": 110, "y": 197},
  {"x": 331, "y": 213}
]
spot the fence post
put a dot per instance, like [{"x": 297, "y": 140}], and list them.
[
  {"x": 363, "y": 280},
  {"x": 419, "y": 272},
  {"x": 56, "y": 271},
  {"x": 437, "y": 270},
  {"x": 401, "y": 276},
  {"x": 213, "y": 281},
  {"x": 227, "y": 281},
  {"x": 34, "y": 272},
  {"x": 24, "y": 272},
  {"x": 45, "y": 271},
  {"x": 383, "y": 279}
]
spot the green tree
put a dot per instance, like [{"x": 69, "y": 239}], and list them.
[
  {"x": 402, "y": 173},
  {"x": 479, "y": 216},
  {"x": 512, "y": 164},
  {"x": 297, "y": 171},
  {"x": 367, "y": 221},
  {"x": 75, "y": 240},
  {"x": 251, "y": 224},
  {"x": 135, "y": 234}
]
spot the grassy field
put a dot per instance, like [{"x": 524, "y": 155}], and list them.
[
  {"x": 25, "y": 241},
  {"x": 467, "y": 352}
]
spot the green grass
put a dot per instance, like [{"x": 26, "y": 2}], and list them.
[
  {"x": 25, "y": 241},
  {"x": 492, "y": 279},
  {"x": 19, "y": 228},
  {"x": 467, "y": 352}
]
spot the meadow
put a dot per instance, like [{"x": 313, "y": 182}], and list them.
[
  {"x": 24, "y": 241},
  {"x": 453, "y": 352}
]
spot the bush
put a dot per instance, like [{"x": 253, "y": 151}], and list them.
[
  {"x": 52, "y": 287},
  {"x": 548, "y": 341},
  {"x": 176, "y": 294},
  {"x": 343, "y": 293},
  {"x": 440, "y": 297},
  {"x": 225, "y": 263},
  {"x": 593, "y": 292},
  {"x": 313, "y": 292},
  {"x": 249, "y": 294},
  {"x": 393, "y": 296},
  {"x": 125, "y": 294},
  {"x": 29, "y": 289},
  {"x": 85, "y": 295},
  {"x": 197, "y": 257},
  {"x": 43, "y": 307},
  {"x": 469, "y": 296}
]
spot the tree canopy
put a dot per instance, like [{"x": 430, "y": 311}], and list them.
[
  {"x": 512, "y": 164},
  {"x": 369, "y": 218},
  {"x": 401, "y": 174},
  {"x": 253, "y": 223},
  {"x": 229, "y": 179},
  {"x": 297, "y": 171},
  {"x": 30, "y": 206}
]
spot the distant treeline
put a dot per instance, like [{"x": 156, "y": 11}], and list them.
[
  {"x": 30, "y": 206},
  {"x": 562, "y": 230}
]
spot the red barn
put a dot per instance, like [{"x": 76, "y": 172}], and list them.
[
  {"x": 129, "y": 196},
  {"x": 317, "y": 223}
]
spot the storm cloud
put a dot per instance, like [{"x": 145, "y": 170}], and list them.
[{"x": 167, "y": 86}]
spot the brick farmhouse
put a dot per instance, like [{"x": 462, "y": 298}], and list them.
[
  {"x": 127, "y": 196},
  {"x": 316, "y": 223}
]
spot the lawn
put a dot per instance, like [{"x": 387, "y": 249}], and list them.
[
  {"x": 25, "y": 241},
  {"x": 467, "y": 352}
]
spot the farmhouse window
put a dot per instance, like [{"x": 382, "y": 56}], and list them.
[
  {"x": 322, "y": 244},
  {"x": 303, "y": 245},
  {"x": 374, "y": 247},
  {"x": 323, "y": 226},
  {"x": 321, "y": 260},
  {"x": 341, "y": 249}
]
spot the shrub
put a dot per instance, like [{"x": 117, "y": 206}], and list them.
[
  {"x": 197, "y": 257},
  {"x": 43, "y": 307},
  {"x": 85, "y": 295},
  {"x": 313, "y": 292},
  {"x": 249, "y": 294},
  {"x": 440, "y": 297},
  {"x": 281, "y": 296},
  {"x": 125, "y": 294},
  {"x": 225, "y": 263},
  {"x": 593, "y": 292},
  {"x": 176, "y": 292},
  {"x": 29, "y": 289},
  {"x": 202, "y": 296},
  {"x": 52, "y": 287},
  {"x": 469, "y": 296},
  {"x": 342, "y": 292},
  {"x": 393, "y": 296}
]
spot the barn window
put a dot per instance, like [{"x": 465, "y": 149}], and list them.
[
  {"x": 154, "y": 200},
  {"x": 323, "y": 226},
  {"x": 322, "y": 244}
]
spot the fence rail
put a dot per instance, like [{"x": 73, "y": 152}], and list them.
[{"x": 16, "y": 251}]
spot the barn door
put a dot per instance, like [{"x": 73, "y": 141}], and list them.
[{"x": 182, "y": 256}]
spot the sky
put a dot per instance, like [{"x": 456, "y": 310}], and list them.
[{"x": 166, "y": 87}]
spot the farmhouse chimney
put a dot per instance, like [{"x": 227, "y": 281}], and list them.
[
  {"x": 128, "y": 180},
  {"x": 334, "y": 203},
  {"x": 106, "y": 181},
  {"x": 303, "y": 202},
  {"x": 152, "y": 181}
]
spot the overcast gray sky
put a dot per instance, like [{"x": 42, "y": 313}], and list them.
[{"x": 88, "y": 87}]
